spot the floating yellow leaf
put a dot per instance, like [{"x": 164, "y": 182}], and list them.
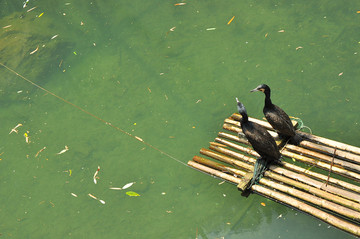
[
  {"x": 231, "y": 20},
  {"x": 263, "y": 204},
  {"x": 132, "y": 194}
]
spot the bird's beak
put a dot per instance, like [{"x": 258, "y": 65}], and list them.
[
  {"x": 256, "y": 89},
  {"x": 237, "y": 100}
]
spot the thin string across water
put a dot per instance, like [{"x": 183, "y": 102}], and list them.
[{"x": 94, "y": 116}]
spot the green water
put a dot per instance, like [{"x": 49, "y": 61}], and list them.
[{"x": 173, "y": 89}]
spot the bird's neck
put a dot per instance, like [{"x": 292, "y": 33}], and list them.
[
  {"x": 268, "y": 102},
  {"x": 244, "y": 118}
]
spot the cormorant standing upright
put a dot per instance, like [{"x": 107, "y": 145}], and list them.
[
  {"x": 277, "y": 117},
  {"x": 261, "y": 141}
]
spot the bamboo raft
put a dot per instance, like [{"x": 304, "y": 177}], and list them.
[{"x": 320, "y": 178}]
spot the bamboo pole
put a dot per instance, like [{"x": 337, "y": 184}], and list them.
[
  {"x": 233, "y": 145},
  {"x": 290, "y": 166},
  {"x": 307, "y": 160},
  {"x": 320, "y": 185},
  {"x": 337, "y": 195},
  {"x": 332, "y": 220},
  {"x": 313, "y": 190},
  {"x": 354, "y": 215},
  {"x": 332, "y": 143},
  {"x": 214, "y": 172},
  {"x": 226, "y": 159},
  {"x": 330, "y": 150},
  {"x": 233, "y": 154},
  {"x": 302, "y": 178},
  {"x": 295, "y": 192},
  {"x": 246, "y": 176},
  {"x": 236, "y": 117},
  {"x": 348, "y": 165},
  {"x": 236, "y": 125},
  {"x": 322, "y": 177},
  {"x": 329, "y": 142},
  {"x": 218, "y": 166},
  {"x": 319, "y": 164},
  {"x": 307, "y": 144}
]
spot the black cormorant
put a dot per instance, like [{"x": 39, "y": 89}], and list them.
[
  {"x": 261, "y": 141},
  {"x": 278, "y": 119}
]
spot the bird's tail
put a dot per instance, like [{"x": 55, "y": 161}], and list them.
[
  {"x": 295, "y": 140},
  {"x": 259, "y": 169}
]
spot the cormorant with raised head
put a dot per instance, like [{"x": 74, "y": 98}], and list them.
[
  {"x": 261, "y": 141},
  {"x": 277, "y": 117}
]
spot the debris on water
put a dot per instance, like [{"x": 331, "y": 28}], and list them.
[
  {"x": 138, "y": 138},
  {"x": 92, "y": 196},
  {"x": 25, "y": 3},
  {"x": 231, "y": 20},
  {"x": 37, "y": 48},
  {"x": 31, "y": 9},
  {"x": 132, "y": 194},
  {"x": 15, "y": 128},
  {"x": 73, "y": 194},
  {"x": 64, "y": 150},
  {"x": 37, "y": 154},
  {"x": 27, "y": 138},
  {"x": 128, "y": 185},
  {"x": 95, "y": 174}
]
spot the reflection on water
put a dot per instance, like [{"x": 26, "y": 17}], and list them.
[{"x": 120, "y": 61}]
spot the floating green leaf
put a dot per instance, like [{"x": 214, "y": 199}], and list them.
[{"x": 132, "y": 194}]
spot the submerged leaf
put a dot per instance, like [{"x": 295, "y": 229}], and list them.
[{"x": 132, "y": 194}]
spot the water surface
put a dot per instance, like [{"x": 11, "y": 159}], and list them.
[{"x": 120, "y": 61}]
